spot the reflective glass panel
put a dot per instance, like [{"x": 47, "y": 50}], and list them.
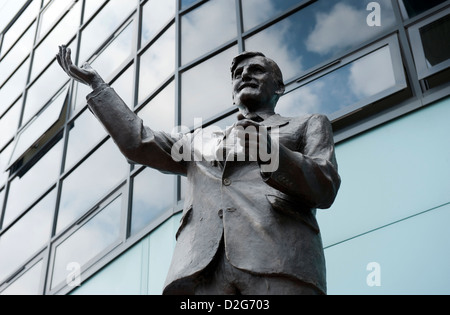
[
  {"x": 81, "y": 91},
  {"x": 157, "y": 63},
  {"x": 11, "y": 90},
  {"x": 20, "y": 26},
  {"x": 90, "y": 6},
  {"x": 206, "y": 28},
  {"x": 155, "y": 15},
  {"x": 124, "y": 86},
  {"x": 115, "y": 54},
  {"x": 411, "y": 8},
  {"x": 51, "y": 13},
  {"x": 85, "y": 186},
  {"x": 103, "y": 25},
  {"x": 60, "y": 35},
  {"x": 256, "y": 12},
  {"x": 206, "y": 89},
  {"x": 186, "y": 3},
  {"x": 317, "y": 33},
  {"x": 346, "y": 86},
  {"x": 8, "y": 9},
  {"x": 9, "y": 123},
  {"x": 43, "y": 89},
  {"x": 99, "y": 233},
  {"x": 159, "y": 114},
  {"x": 5, "y": 155},
  {"x": 28, "y": 284},
  {"x": 31, "y": 183},
  {"x": 85, "y": 132},
  {"x": 17, "y": 54},
  {"x": 153, "y": 194},
  {"x": 27, "y": 236},
  {"x": 435, "y": 41},
  {"x": 39, "y": 126}
]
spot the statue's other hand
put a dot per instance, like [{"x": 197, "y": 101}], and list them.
[{"x": 86, "y": 74}]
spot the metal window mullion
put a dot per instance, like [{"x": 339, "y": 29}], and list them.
[
  {"x": 405, "y": 50},
  {"x": 178, "y": 87}
]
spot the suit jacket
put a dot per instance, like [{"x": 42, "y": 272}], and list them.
[{"x": 267, "y": 221}]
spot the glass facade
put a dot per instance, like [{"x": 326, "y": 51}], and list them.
[{"x": 63, "y": 182}]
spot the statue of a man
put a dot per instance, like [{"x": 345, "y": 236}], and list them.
[{"x": 249, "y": 225}]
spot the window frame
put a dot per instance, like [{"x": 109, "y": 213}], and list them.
[
  {"x": 32, "y": 262},
  {"x": 90, "y": 267},
  {"x": 392, "y": 42},
  {"x": 423, "y": 71}
]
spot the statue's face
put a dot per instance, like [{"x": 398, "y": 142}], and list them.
[{"x": 254, "y": 83}]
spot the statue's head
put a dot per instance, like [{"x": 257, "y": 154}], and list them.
[{"x": 257, "y": 81}]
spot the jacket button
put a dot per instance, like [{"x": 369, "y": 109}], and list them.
[
  {"x": 220, "y": 213},
  {"x": 227, "y": 182}
]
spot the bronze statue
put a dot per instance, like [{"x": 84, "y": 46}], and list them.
[{"x": 245, "y": 229}]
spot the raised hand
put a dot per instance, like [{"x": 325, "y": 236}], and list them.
[{"x": 86, "y": 74}]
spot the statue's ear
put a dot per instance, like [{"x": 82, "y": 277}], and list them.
[{"x": 280, "y": 91}]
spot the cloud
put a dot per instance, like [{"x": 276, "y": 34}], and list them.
[
  {"x": 344, "y": 26},
  {"x": 372, "y": 74}
]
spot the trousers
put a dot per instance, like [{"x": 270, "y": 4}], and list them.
[{"x": 222, "y": 278}]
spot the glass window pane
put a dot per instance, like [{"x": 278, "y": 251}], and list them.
[
  {"x": 124, "y": 86},
  {"x": 43, "y": 89},
  {"x": 157, "y": 64},
  {"x": 40, "y": 125},
  {"x": 27, "y": 236},
  {"x": 346, "y": 86},
  {"x": 9, "y": 9},
  {"x": 317, "y": 33},
  {"x": 159, "y": 114},
  {"x": 186, "y": 3},
  {"x": 153, "y": 194},
  {"x": 435, "y": 48},
  {"x": 99, "y": 233},
  {"x": 12, "y": 89},
  {"x": 411, "y": 8},
  {"x": 155, "y": 15},
  {"x": 85, "y": 132},
  {"x": 206, "y": 89},
  {"x": 90, "y": 6},
  {"x": 28, "y": 186},
  {"x": 116, "y": 53},
  {"x": 256, "y": 12},
  {"x": 81, "y": 91},
  {"x": 9, "y": 123},
  {"x": 28, "y": 284},
  {"x": 4, "y": 160},
  {"x": 97, "y": 176},
  {"x": 60, "y": 35},
  {"x": 20, "y": 26},
  {"x": 17, "y": 54},
  {"x": 206, "y": 28},
  {"x": 103, "y": 25},
  {"x": 51, "y": 14}
]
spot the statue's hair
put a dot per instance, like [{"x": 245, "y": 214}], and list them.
[{"x": 251, "y": 54}]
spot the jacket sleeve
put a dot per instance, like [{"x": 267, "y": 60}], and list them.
[
  {"x": 137, "y": 143},
  {"x": 310, "y": 174}
]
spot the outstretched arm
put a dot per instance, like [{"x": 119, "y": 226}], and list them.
[{"x": 136, "y": 142}]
